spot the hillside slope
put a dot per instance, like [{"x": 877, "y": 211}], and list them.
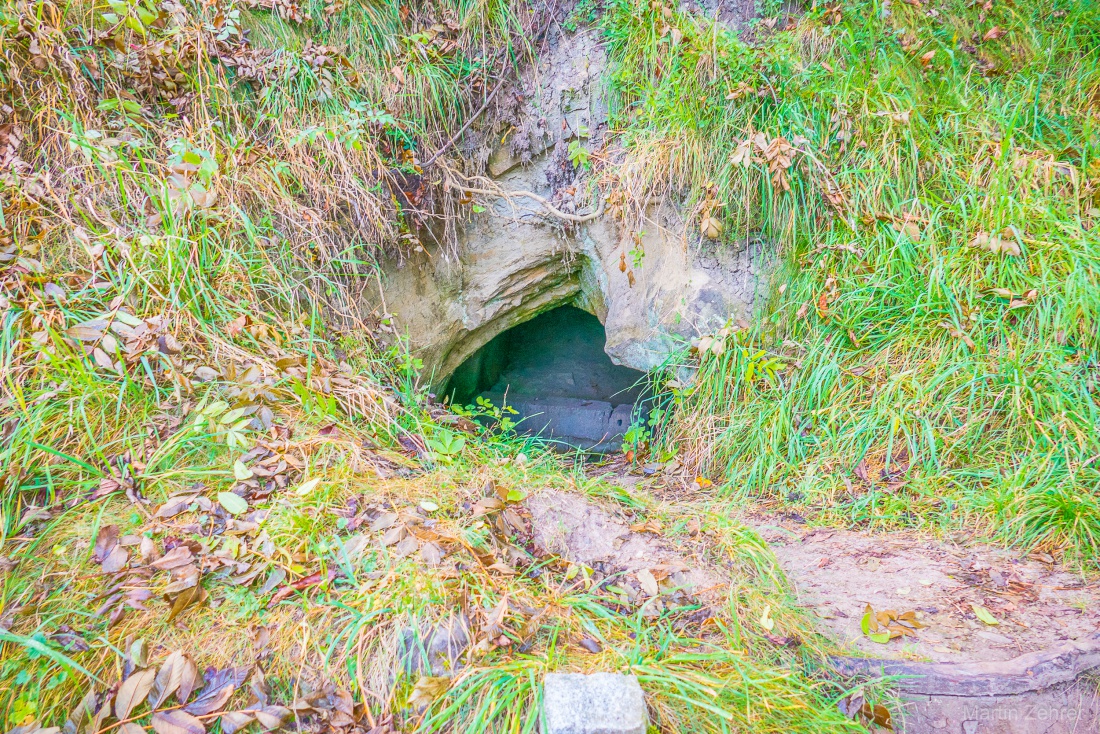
[{"x": 214, "y": 458}]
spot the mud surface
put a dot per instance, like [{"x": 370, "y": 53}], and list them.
[
  {"x": 837, "y": 573},
  {"x": 581, "y": 531}
]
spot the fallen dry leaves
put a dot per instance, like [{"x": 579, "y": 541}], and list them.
[{"x": 888, "y": 624}]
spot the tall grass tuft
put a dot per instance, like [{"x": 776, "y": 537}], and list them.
[{"x": 931, "y": 183}]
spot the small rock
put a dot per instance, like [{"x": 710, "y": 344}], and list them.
[
  {"x": 591, "y": 645},
  {"x": 600, "y": 703},
  {"x": 442, "y": 647}
]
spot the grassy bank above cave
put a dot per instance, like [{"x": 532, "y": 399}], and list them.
[{"x": 931, "y": 173}]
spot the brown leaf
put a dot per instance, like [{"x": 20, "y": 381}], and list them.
[
  {"x": 102, "y": 359},
  {"x": 184, "y": 577},
  {"x": 304, "y": 583},
  {"x": 648, "y": 582},
  {"x": 101, "y": 713},
  {"x": 235, "y": 721},
  {"x": 514, "y": 519},
  {"x": 131, "y": 728},
  {"x": 275, "y": 578},
  {"x": 177, "y": 722},
  {"x": 272, "y": 717},
  {"x": 116, "y": 561},
  {"x": 383, "y": 521},
  {"x": 179, "y": 556},
  {"x": 649, "y": 526},
  {"x": 993, "y": 34},
  {"x": 235, "y": 326},
  {"x": 426, "y": 690},
  {"x": 210, "y": 702},
  {"x": 486, "y": 505},
  {"x": 147, "y": 549},
  {"x": 910, "y": 229},
  {"x": 218, "y": 690},
  {"x": 850, "y": 705},
  {"x": 105, "y": 542},
  {"x": 406, "y": 547},
  {"x": 996, "y": 244},
  {"x": 910, "y": 619},
  {"x": 783, "y": 640},
  {"x": 132, "y": 691},
  {"x": 431, "y": 553},
  {"x": 188, "y": 680},
  {"x": 88, "y": 331},
  {"x": 167, "y": 344},
  {"x": 176, "y": 668},
  {"x": 494, "y": 623},
  {"x": 590, "y": 645},
  {"x": 393, "y": 535},
  {"x": 878, "y": 714},
  {"x": 187, "y": 597},
  {"x": 711, "y": 227},
  {"x": 175, "y": 505}
]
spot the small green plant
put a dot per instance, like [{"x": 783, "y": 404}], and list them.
[
  {"x": 583, "y": 12},
  {"x": 497, "y": 416},
  {"x": 637, "y": 438},
  {"x": 315, "y": 402},
  {"x": 579, "y": 155},
  {"x": 759, "y": 365},
  {"x": 446, "y": 445},
  {"x": 137, "y": 15},
  {"x": 215, "y": 418}
]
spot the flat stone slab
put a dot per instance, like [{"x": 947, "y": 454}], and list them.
[
  {"x": 1044, "y": 692},
  {"x": 593, "y": 425},
  {"x": 599, "y": 703}
]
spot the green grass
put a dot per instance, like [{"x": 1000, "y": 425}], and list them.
[{"x": 898, "y": 332}]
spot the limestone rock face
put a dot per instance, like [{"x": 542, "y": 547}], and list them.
[{"x": 511, "y": 262}]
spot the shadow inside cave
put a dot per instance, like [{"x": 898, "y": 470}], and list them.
[{"x": 553, "y": 371}]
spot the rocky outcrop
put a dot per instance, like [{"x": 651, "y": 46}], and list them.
[{"x": 653, "y": 289}]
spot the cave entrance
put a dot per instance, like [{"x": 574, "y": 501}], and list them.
[{"x": 553, "y": 371}]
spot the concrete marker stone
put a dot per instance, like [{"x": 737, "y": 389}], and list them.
[{"x": 598, "y": 703}]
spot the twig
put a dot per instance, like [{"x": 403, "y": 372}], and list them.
[
  {"x": 504, "y": 77},
  {"x": 578, "y": 218},
  {"x": 465, "y": 125}
]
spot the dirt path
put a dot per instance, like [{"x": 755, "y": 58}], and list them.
[{"x": 837, "y": 573}]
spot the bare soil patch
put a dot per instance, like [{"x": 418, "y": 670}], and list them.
[
  {"x": 581, "y": 531},
  {"x": 837, "y": 573}
]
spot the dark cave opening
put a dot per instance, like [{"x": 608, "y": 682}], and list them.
[{"x": 553, "y": 371}]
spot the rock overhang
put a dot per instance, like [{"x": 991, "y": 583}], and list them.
[{"x": 654, "y": 286}]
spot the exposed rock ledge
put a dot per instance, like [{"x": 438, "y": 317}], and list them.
[{"x": 511, "y": 264}]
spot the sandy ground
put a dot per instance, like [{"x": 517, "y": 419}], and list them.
[{"x": 838, "y": 573}]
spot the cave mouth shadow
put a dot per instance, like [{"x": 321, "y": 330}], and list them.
[{"x": 553, "y": 371}]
